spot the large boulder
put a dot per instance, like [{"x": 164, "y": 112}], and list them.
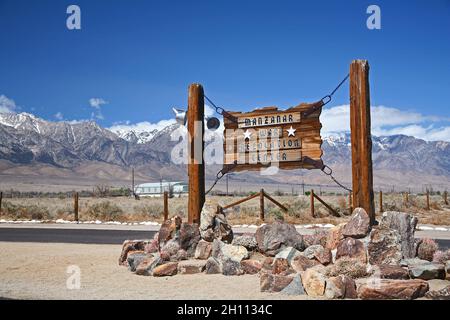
[
  {"x": 393, "y": 289},
  {"x": 384, "y": 247},
  {"x": 166, "y": 270},
  {"x": 359, "y": 224},
  {"x": 341, "y": 287},
  {"x": 229, "y": 257},
  {"x": 213, "y": 223},
  {"x": 442, "y": 294},
  {"x": 274, "y": 237},
  {"x": 314, "y": 282},
  {"x": 405, "y": 224},
  {"x": 131, "y": 246},
  {"x": 189, "y": 236},
  {"x": 387, "y": 271},
  {"x": 351, "y": 267},
  {"x": 351, "y": 248}
]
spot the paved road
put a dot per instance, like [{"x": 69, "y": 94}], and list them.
[{"x": 90, "y": 236}]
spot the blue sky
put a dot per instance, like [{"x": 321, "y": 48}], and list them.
[{"x": 136, "y": 59}]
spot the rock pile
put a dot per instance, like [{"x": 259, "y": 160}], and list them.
[{"x": 349, "y": 261}]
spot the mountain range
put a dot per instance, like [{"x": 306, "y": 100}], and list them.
[{"x": 33, "y": 149}]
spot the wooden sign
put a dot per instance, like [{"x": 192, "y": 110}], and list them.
[{"x": 268, "y": 137}]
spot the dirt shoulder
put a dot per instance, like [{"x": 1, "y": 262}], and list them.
[{"x": 39, "y": 271}]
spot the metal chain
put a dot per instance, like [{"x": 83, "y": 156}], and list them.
[
  {"x": 227, "y": 168},
  {"x": 329, "y": 172},
  {"x": 219, "y": 110},
  {"x": 328, "y": 97}
]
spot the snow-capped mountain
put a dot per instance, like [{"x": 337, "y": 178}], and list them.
[{"x": 136, "y": 136}]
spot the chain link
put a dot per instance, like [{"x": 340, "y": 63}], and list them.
[{"x": 329, "y": 172}]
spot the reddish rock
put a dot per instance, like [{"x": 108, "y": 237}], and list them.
[
  {"x": 359, "y": 224},
  {"x": 319, "y": 237},
  {"x": 301, "y": 263},
  {"x": 314, "y": 282},
  {"x": 392, "y": 272},
  {"x": 168, "y": 230},
  {"x": 341, "y": 287},
  {"x": 189, "y": 237},
  {"x": 131, "y": 245},
  {"x": 191, "y": 266},
  {"x": 165, "y": 270},
  {"x": 319, "y": 253},
  {"x": 145, "y": 268},
  {"x": 280, "y": 265},
  {"x": 251, "y": 266},
  {"x": 334, "y": 236},
  {"x": 393, "y": 289},
  {"x": 352, "y": 248},
  {"x": 274, "y": 282},
  {"x": 267, "y": 263},
  {"x": 384, "y": 247},
  {"x": 203, "y": 250}
]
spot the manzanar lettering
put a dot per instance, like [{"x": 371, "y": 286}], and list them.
[{"x": 272, "y": 119}]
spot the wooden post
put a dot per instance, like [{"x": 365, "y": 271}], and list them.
[
  {"x": 75, "y": 206},
  {"x": 166, "y": 205},
  {"x": 350, "y": 203},
  {"x": 1, "y": 198},
  {"x": 361, "y": 141},
  {"x": 261, "y": 204},
  {"x": 196, "y": 166},
  {"x": 428, "y": 199},
  {"x": 311, "y": 201},
  {"x": 445, "y": 199},
  {"x": 381, "y": 201},
  {"x": 132, "y": 182}
]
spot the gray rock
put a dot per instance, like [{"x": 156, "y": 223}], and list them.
[
  {"x": 214, "y": 225},
  {"x": 272, "y": 238},
  {"x": 443, "y": 294},
  {"x": 426, "y": 270},
  {"x": 318, "y": 252},
  {"x": 134, "y": 259},
  {"x": 295, "y": 287},
  {"x": 231, "y": 268},
  {"x": 405, "y": 224},
  {"x": 223, "y": 251},
  {"x": 384, "y": 247},
  {"x": 203, "y": 250},
  {"x": 189, "y": 236},
  {"x": 288, "y": 253},
  {"x": 148, "y": 264},
  {"x": 246, "y": 240},
  {"x": 359, "y": 224},
  {"x": 213, "y": 266}
]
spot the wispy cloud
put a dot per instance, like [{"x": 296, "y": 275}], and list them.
[
  {"x": 141, "y": 126},
  {"x": 7, "y": 105},
  {"x": 97, "y": 103},
  {"x": 389, "y": 121},
  {"x": 59, "y": 116}
]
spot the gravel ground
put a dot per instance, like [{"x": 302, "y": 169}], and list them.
[{"x": 39, "y": 271}]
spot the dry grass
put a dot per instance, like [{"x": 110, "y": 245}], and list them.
[{"x": 151, "y": 209}]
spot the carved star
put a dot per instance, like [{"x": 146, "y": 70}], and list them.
[
  {"x": 291, "y": 132},
  {"x": 247, "y": 134}
]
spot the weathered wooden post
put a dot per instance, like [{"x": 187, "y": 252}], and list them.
[
  {"x": 166, "y": 205},
  {"x": 1, "y": 198},
  {"x": 362, "y": 175},
  {"x": 75, "y": 206},
  {"x": 261, "y": 204},
  {"x": 311, "y": 201},
  {"x": 350, "y": 203},
  {"x": 196, "y": 166},
  {"x": 428, "y": 199},
  {"x": 445, "y": 199},
  {"x": 381, "y": 201}
]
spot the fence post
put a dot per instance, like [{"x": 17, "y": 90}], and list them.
[
  {"x": 362, "y": 174},
  {"x": 350, "y": 203},
  {"x": 166, "y": 205},
  {"x": 261, "y": 204},
  {"x": 75, "y": 206},
  {"x": 445, "y": 199},
  {"x": 1, "y": 198},
  {"x": 381, "y": 201},
  {"x": 428, "y": 199},
  {"x": 311, "y": 200}
]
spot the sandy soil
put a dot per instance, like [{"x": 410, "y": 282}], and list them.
[{"x": 39, "y": 271}]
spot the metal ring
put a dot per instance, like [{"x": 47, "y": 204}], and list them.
[
  {"x": 326, "y": 99},
  {"x": 330, "y": 171},
  {"x": 220, "y": 174},
  {"x": 220, "y": 110}
]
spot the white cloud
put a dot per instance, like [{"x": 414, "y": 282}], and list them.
[
  {"x": 7, "y": 105},
  {"x": 389, "y": 121},
  {"x": 97, "y": 103},
  {"x": 59, "y": 116}
]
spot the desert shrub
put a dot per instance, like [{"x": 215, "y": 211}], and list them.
[
  {"x": 65, "y": 213},
  {"x": 441, "y": 256},
  {"x": 152, "y": 210},
  {"x": 297, "y": 207},
  {"x": 349, "y": 267},
  {"x": 276, "y": 214},
  {"x": 25, "y": 212},
  {"x": 426, "y": 249},
  {"x": 105, "y": 211}
]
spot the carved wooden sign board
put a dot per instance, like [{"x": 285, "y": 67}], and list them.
[{"x": 264, "y": 137}]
